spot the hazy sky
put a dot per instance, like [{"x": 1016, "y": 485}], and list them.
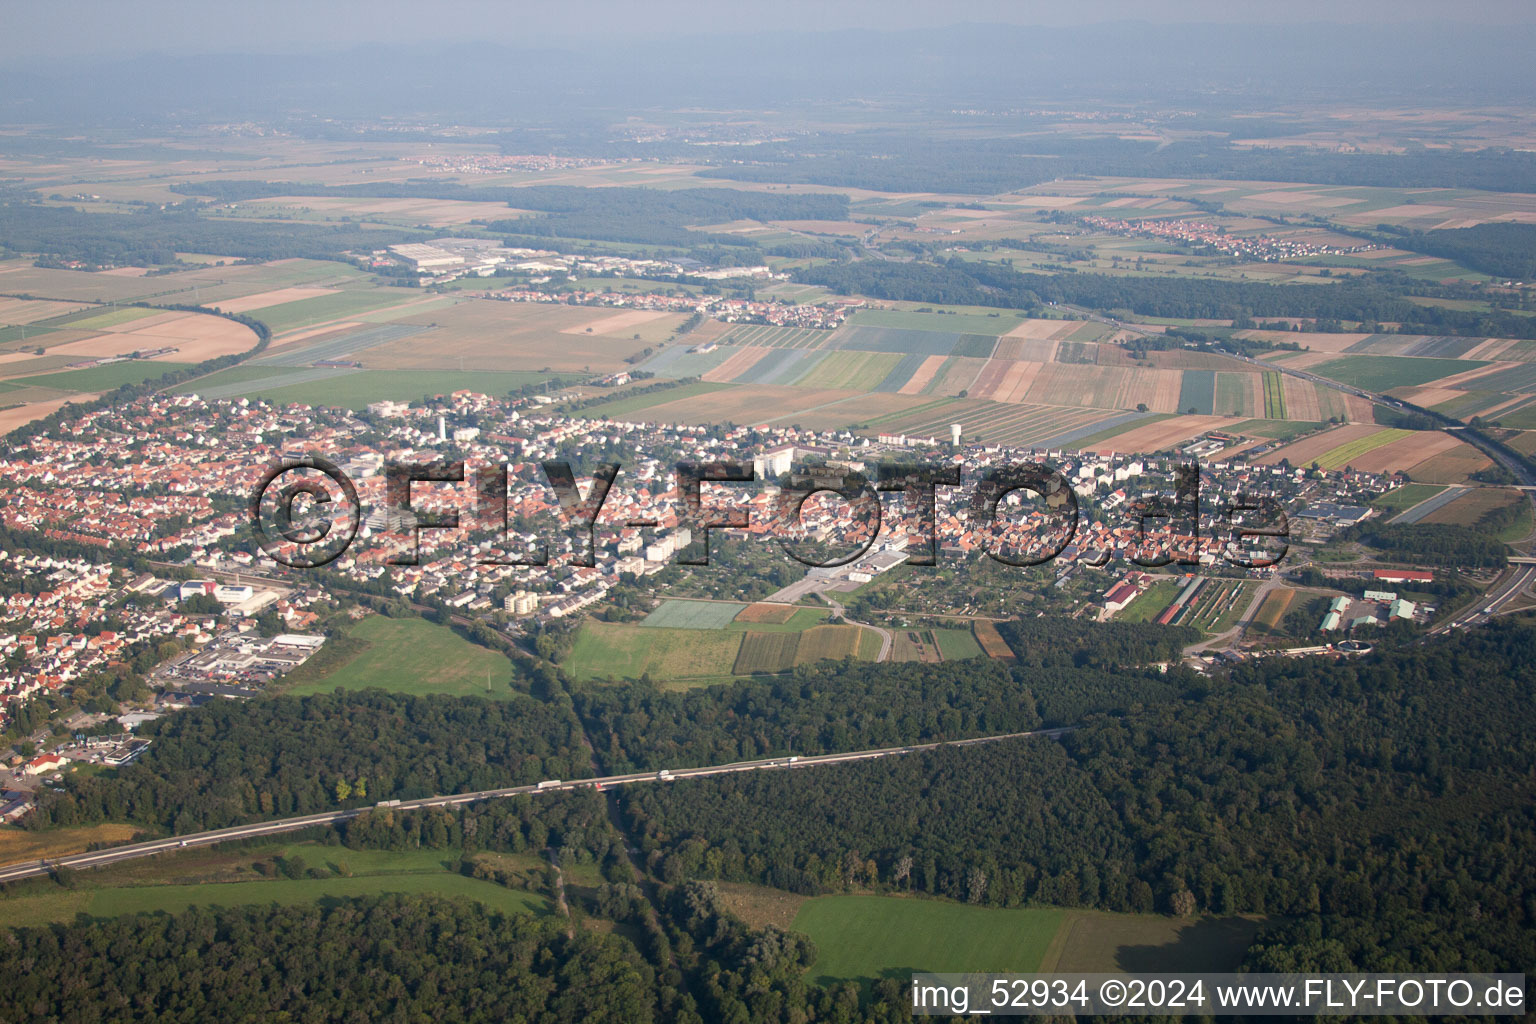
[{"x": 37, "y": 28}]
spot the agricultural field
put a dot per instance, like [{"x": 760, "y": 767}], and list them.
[
  {"x": 675, "y": 614},
  {"x": 609, "y": 650},
  {"x": 407, "y": 655},
  {"x": 991, "y": 641},
  {"x": 98, "y": 378},
  {"x": 487, "y": 334},
  {"x": 993, "y": 323},
  {"x": 768, "y": 653},
  {"x": 1401, "y": 499},
  {"x": 1467, "y": 509},
  {"x": 1154, "y": 435},
  {"x": 354, "y": 389},
  {"x": 872, "y": 937},
  {"x": 993, "y": 422},
  {"x": 1382, "y": 373},
  {"x": 1272, "y": 612},
  {"x": 1346, "y": 454},
  {"x": 1096, "y": 941},
  {"x": 849, "y": 371},
  {"x": 956, "y": 644},
  {"x": 1309, "y": 449},
  {"x": 775, "y": 618},
  {"x": 621, "y": 407},
  {"x": 768, "y": 336},
  {"x": 836, "y": 642}
]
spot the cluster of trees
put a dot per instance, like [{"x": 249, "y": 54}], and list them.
[
  {"x": 1501, "y": 249},
  {"x": 1446, "y": 544},
  {"x": 1385, "y": 800},
  {"x": 1058, "y": 641},
  {"x": 227, "y": 762},
  {"x": 843, "y": 706},
  {"x": 377, "y": 958},
  {"x": 153, "y": 237}
]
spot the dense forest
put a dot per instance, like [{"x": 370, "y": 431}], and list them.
[
  {"x": 153, "y": 237},
  {"x": 1372, "y": 299},
  {"x": 230, "y": 762},
  {"x": 1439, "y": 543},
  {"x": 840, "y": 706},
  {"x": 1385, "y": 803},
  {"x": 908, "y": 162},
  {"x": 382, "y": 958},
  {"x": 642, "y": 215},
  {"x": 1503, "y": 250}
]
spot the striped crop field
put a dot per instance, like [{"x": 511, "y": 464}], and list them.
[
  {"x": 994, "y": 422},
  {"x": 1344, "y": 454},
  {"x": 850, "y": 371},
  {"x": 768, "y": 336},
  {"x": 1274, "y": 396}
]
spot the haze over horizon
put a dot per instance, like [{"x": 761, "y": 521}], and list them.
[{"x": 95, "y": 27}]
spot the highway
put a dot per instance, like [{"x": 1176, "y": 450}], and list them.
[{"x": 133, "y": 851}]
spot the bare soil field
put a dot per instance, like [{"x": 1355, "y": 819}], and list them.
[
  {"x": 1005, "y": 380},
  {"x": 1305, "y": 451},
  {"x": 959, "y": 376},
  {"x": 1107, "y": 387},
  {"x": 29, "y": 311},
  {"x": 1300, "y": 399},
  {"x": 1405, "y": 453},
  {"x": 1153, "y": 437},
  {"x": 738, "y": 363},
  {"x": 991, "y": 640},
  {"x": 616, "y": 323},
  {"x": 313, "y": 333},
  {"x": 922, "y": 376},
  {"x": 486, "y": 334},
  {"x": 769, "y": 613},
  {"x": 10, "y": 419},
  {"x": 1452, "y": 467},
  {"x": 1037, "y": 350},
  {"x": 261, "y": 300},
  {"x": 1044, "y": 330}
]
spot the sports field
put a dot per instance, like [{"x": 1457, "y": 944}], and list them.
[
  {"x": 409, "y": 656},
  {"x": 872, "y": 937}
]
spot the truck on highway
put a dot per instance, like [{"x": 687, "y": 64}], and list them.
[
  {"x": 665, "y": 775},
  {"x": 388, "y": 803},
  {"x": 549, "y": 784}
]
